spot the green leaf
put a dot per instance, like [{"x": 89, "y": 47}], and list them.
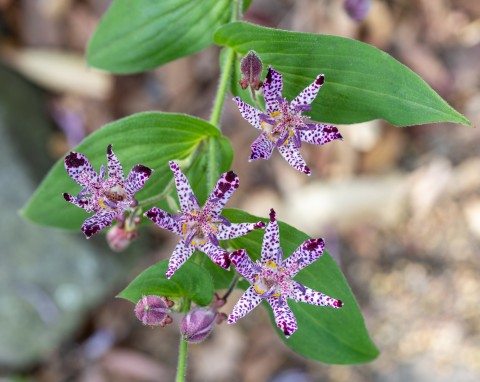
[
  {"x": 189, "y": 281},
  {"x": 134, "y": 36},
  {"x": 337, "y": 336},
  {"x": 361, "y": 82},
  {"x": 151, "y": 139}
]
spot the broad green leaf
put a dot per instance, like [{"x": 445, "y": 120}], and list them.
[
  {"x": 134, "y": 36},
  {"x": 151, "y": 139},
  {"x": 361, "y": 82},
  {"x": 189, "y": 281},
  {"x": 337, "y": 336}
]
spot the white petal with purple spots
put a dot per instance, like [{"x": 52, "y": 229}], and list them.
[
  {"x": 237, "y": 229},
  {"x": 217, "y": 254},
  {"x": 307, "y": 96},
  {"x": 164, "y": 220},
  {"x": 261, "y": 148},
  {"x": 284, "y": 317},
  {"x": 98, "y": 222},
  {"x": 312, "y": 297},
  {"x": 137, "y": 177},
  {"x": 244, "y": 265},
  {"x": 184, "y": 190},
  {"x": 272, "y": 89},
  {"x": 247, "y": 303},
  {"x": 80, "y": 169},
  {"x": 249, "y": 113},
  {"x": 224, "y": 189},
  {"x": 319, "y": 134},
  {"x": 115, "y": 170},
  {"x": 309, "y": 251},
  {"x": 293, "y": 157},
  {"x": 180, "y": 254},
  {"x": 271, "y": 240}
]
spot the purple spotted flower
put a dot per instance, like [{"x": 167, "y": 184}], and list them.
[
  {"x": 108, "y": 197},
  {"x": 201, "y": 228},
  {"x": 272, "y": 279},
  {"x": 283, "y": 125}
]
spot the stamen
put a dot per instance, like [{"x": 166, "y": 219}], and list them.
[
  {"x": 223, "y": 220},
  {"x": 213, "y": 239},
  {"x": 103, "y": 171}
]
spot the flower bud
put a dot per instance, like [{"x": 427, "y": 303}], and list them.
[
  {"x": 153, "y": 310},
  {"x": 251, "y": 68},
  {"x": 199, "y": 323},
  {"x": 357, "y": 9},
  {"x": 120, "y": 235}
]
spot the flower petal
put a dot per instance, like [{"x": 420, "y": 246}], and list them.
[
  {"x": 115, "y": 170},
  {"x": 164, "y": 220},
  {"x": 80, "y": 169},
  {"x": 319, "y": 134},
  {"x": 272, "y": 89},
  {"x": 249, "y": 113},
  {"x": 137, "y": 177},
  {"x": 98, "y": 222},
  {"x": 262, "y": 147},
  {"x": 271, "y": 240},
  {"x": 217, "y": 254},
  {"x": 309, "y": 251},
  {"x": 79, "y": 202},
  {"x": 180, "y": 254},
  {"x": 307, "y": 96},
  {"x": 244, "y": 265},
  {"x": 284, "y": 317},
  {"x": 293, "y": 157},
  {"x": 237, "y": 229},
  {"x": 224, "y": 189},
  {"x": 247, "y": 302},
  {"x": 184, "y": 190},
  {"x": 312, "y": 297}
]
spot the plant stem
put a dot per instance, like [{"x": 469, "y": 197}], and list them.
[
  {"x": 182, "y": 360},
  {"x": 226, "y": 70}
]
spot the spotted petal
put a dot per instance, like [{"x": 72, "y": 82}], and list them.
[
  {"x": 237, "y": 229},
  {"x": 249, "y": 113},
  {"x": 184, "y": 190},
  {"x": 224, "y": 189},
  {"x": 261, "y": 148},
  {"x": 218, "y": 255},
  {"x": 307, "y": 96},
  {"x": 293, "y": 157},
  {"x": 247, "y": 303},
  {"x": 272, "y": 89},
  {"x": 164, "y": 220},
  {"x": 319, "y": 134},
  {"x": 284, "y": 317},
  {"x": 80, "y": 169},
  {"x": 180, "y": 254},
  {"x": 115, "y": 170},
  {"x": 312, "y": 297},
  {"x": 79, "y": 202},
  {"x": 309, "y": 251},
  {"x": 271, "y": 240},
  {"x": 98, "y": 222},
  {"x": 137, "y": 177},
  {"x": 244, "y": 265}
]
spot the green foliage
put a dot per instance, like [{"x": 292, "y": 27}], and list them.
[
  {"x": 151, "y": 139},
  {"x": 337, "y": 336},
  {"x": 134, "y": 36},
  {"x": 189, "y": 281},
  {"x": 361, "y": 82}
]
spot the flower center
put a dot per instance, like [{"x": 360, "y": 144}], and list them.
[
  {"x": 112, "y": 196},
  {"x": 268, "y": 281},
  {"x": 197, "y": 227}
]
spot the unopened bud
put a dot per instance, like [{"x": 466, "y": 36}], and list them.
[
  {"x": 357, "y": 9},
  {"x": 251, "y": 68},
  {"x": 120, "y": 235},
  {"x": 154, "y": 310},
  {"x": 199, "y": 323}
]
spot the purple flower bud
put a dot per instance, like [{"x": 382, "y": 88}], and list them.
[
  {"x": 251, "y": 68},
  {"x": 119, "y": 237},
  {"x": 153, "y": 310},
  {"x": 357, "y": 9},
  {"x": 199, "y": 322}
]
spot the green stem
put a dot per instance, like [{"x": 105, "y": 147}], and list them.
[
  {"x": 182, "y": 352},
  {"x": 226, "y": 70}
]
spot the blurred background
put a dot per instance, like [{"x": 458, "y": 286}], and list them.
[{"x": 399, "y": 207}]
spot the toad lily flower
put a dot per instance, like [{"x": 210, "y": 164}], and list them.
[
  {"x": 283, "y": 125},
  {"x": 272, "y": 279},
  {"x": 201, "y": 228},
  {"x": 109, "y": 198}
]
